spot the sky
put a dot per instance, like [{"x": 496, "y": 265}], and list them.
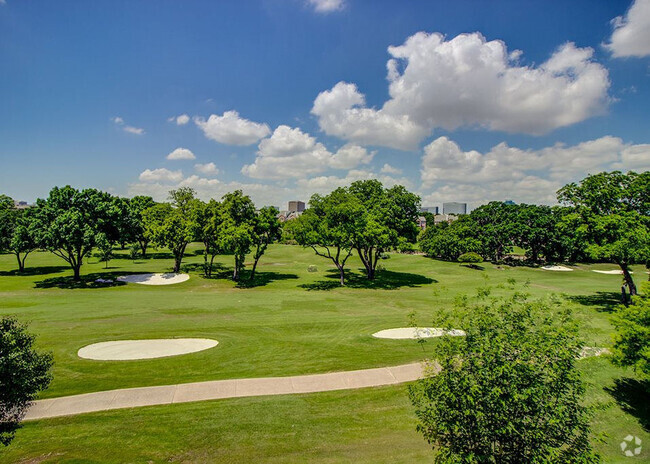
[{"x": 467, "y": 101}]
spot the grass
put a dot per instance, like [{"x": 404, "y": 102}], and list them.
[{"x": 288, "y": 322}]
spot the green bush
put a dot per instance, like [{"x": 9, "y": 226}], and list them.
[{"x": 471, "y": 258}]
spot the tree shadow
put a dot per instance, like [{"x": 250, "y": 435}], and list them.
[
  {"x": 384, "y": 280},
  {"x": 262, "y": 278},
  {"x": 604, "y": 301},
  {"x": 87, "y": 281},
  {"x": 34, "y": 271},
  {"x": 632, "y": 396},
  {"x": 476, "y": 267}
]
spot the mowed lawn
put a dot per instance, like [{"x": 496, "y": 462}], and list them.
[{"x": 289, "y": 321}]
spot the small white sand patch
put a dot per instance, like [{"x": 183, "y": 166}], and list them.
[
  {"x": 557, "y": 268},
  {"x": 613, "y": 272},
  {"x": 124, "y": 350},
  {"x": 416, "y": 332},
  {"x": 590, "y": 351},
  {"x": 155, "y": 279}
]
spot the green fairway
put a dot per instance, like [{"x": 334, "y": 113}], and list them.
[{"x": 289, "y": 322}]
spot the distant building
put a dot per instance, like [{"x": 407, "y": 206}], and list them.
[
  {"x": 422, "y": 222},
  {"x": 429, "y": 209},
  {"x": 298, "y": 206},
  {"x": 438, "y": 218},
  {"x": 454, "y": 208},
  {"x": 509, "y": 202},
  {"x": 21, "y": 204}
]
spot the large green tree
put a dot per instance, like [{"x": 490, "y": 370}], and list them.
[
  {"x": 328, "y": 227},
  {"x": 386, "y": 220},
  {"x": 208, "y": 221},
  {"x": 266, "y": 230},
  {"x": 509, "y": 391},
  {"x": 24, "y": 372},
  {"x": 236, "y": 229},
  {"x": 68, "y": 221},
  {"x": 16, "y": 231},
  {"x": 450, "y": 240},
  {"x": 632, "y": 339},
  {"x": 172, "y": 225},
  {"x": 613, "y": 208}
]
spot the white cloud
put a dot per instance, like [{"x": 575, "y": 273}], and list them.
[
  {"x": 388, "y": 169},
  {"x": 179, "y": 120},
  {"x": 161, "y": 175},
  {"x": 326, "y": 6},
  {"x": 207, "y": 168},
  {"x": 195, "y": 181},
  {"x": 325, "y": 184},
  {"x": 181, "y": 154},
  {"x": 532, "y": 176},
  {"x": 466, "y": 82},
  {"x": 230, "y": 129},
  {"x": 631, "y": 35},
  {"x": 291, "y": 153},
  {"x": 130, "y": 129}
]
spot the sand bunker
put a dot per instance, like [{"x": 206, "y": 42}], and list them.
[
  {"x": 416, "y": 332},
  {"x": 123, "y": 350},
  {"x": 613, "y": 271},
  {"x": 557, "y": 268},
  {"x": 590, "y": 351},
  {"x": 154, "y": 279}
]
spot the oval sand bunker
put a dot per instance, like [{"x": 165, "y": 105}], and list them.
[
  {"x": 124, "y": 350},
  {"x": 612, "y": 272},
  {"x": 557, "y": 268},
  {"x": 155, "y": 279},
  {"x": 416, "y": 332}
]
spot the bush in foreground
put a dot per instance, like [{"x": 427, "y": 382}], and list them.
[
  {"x": 23, "y": 373},
  {"x": 509, "y": 391}
]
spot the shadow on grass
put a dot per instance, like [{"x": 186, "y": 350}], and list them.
[
  {"x": 35, "y": 271},
  {"x": 384, "y": 280},
  {"x": 87, "y": 281},
  {"x": 476, "y": 267},
  {"x": 604, "y": 301},
  {"x": 262, "y": 278},
  {"x": 632, "y": 396}
]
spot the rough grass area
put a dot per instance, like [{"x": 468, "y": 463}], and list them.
[{"x": 288, "y": 321}]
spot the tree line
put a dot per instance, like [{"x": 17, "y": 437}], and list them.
[
  {"x": 70, "y": 223},
  {"x": 604, "y": 217}
]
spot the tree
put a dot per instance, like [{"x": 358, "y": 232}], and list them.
[
  {"x": 449, "y": 241},
  {"x": 172, "y": 225},
  {"x": 386, "y": 220},
  {"x": 470, "y": 259},
  {"x": 236, "y": 230},
  {"x": 327, "y": 227},
  {"x": 613, "y": 209},
  {"x": 632, "y": 339},
  {"x": 68, "y": 222},
  {"x": 16, "y": 234},
  {"x": 23, "y": 373},
  {"x": 266, "y": 230},
  {"x": 497, "y": 225},
  {"x": 533, "y": 228},
  {"x": 104, "y": 249},
  {"x": 208, "y": 220},
  {"x": 509, "y": 391},
  {"x": 135, "y": 208}
]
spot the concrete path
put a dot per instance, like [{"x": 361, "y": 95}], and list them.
[{"x": 219, "y": 389}]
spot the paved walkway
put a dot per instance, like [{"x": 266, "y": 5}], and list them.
[{"x": 219, "y": 389}]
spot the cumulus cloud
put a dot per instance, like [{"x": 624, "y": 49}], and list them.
[
  {"x": 325, "y": 184},
  {"x": 388, "y": 169},
  {"x": 207, "y": 168},
  {"x": 326, "y": 6},
  {"x": 466, "y": 82},
  {"x": 179, "y": 120},
  {"x": 631, "y": 35},
  {"x": 181, "y": 154},
  {"x": 130, "y": 129},
  {"x": 292, "y": 153},
  {"x": 160, "y": 175},
  {"x": 523, "y": 175},
  {"x": 231, "y": 129}
]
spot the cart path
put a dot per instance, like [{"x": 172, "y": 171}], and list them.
[{"x": 220, "y": 389}]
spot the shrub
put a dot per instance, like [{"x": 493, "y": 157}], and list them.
[
  {"x": 312, "y": 268},
  {"x": 470, "y": 258}
]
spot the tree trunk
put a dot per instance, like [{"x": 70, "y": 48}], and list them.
[
  {"x": 627, "y": 277},
  {"x": 76, "y": 268},
  {"x": 341, "y": 275},
  {"x": 235, "y": 274},
  {"x": 21, "y": 263},
  {"x": 253, "y": 270},
  {"x": 143, "y": 248},
  {"x": 177, "y": 262}
]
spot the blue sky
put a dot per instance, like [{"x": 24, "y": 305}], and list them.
[{"x": 476, "y": 101}]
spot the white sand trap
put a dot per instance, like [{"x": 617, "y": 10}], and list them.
[
  {"x": 416, "y": 332},
  {"x": 557, "y": 268},
  {"x": 124, "y": 350},
  {"x": 155, "y": 279},
  {"x": 613, "y": 272},
  {"x": 590, "y": 351}
]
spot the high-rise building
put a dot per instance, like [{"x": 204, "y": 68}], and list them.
[
  {"x": 298, "y": 206},
  {"x": 429, "y": 209},
  {"x": 454, "y": 208}
]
